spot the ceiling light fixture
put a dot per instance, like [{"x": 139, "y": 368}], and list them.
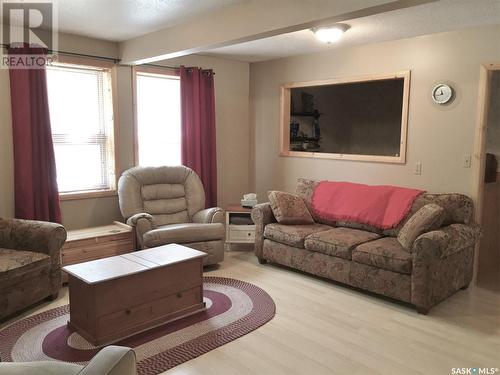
[{"x": 330, "y": 34}]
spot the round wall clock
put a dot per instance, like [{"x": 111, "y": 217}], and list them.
[{"x": 442, "y": 93}]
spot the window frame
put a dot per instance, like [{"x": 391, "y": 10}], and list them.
[
  {"x": 150, "y": 70},
  {"x": 112, "y": 67},
  {"x": 285, "y": 103}
]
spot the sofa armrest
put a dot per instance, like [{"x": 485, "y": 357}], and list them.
[
  {"x": 446, "y": 241},
  {"x": 262, "y": 214},
  {"x": 112, "y": 360},
  {"x": 209, "y": 215},
  {"x": 142, "y": 223},
  {"x": 31, "y": 235},
  {"x": 443, "y": 263}
]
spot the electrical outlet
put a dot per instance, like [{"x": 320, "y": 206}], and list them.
[
  {"x": 467, "y": 161},
  {"x": 418, "y": 168}
]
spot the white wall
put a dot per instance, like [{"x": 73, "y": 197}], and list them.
[
  {"x": 439, "y": 136},
  {"x": 231, "y": 90}
]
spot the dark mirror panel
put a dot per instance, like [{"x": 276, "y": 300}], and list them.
[{"x": 360, "y": 118}]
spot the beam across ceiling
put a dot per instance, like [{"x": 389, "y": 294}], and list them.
[{"x": 247, "y": 21}]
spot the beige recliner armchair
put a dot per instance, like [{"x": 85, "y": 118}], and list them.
[{"x": 167, "y": 205}]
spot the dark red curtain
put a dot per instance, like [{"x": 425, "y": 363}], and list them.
[
  {"x": 198, "y": 144},
  {"x": 35, "y": 182}
]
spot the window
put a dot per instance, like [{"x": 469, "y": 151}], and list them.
[
  {"x": 81, "y": 114},
  {"x": 361, "y": 118},
  {"x": 158, "y": 117}
]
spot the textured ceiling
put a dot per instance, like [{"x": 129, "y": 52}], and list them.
[
  {"x": 119, "y": 20},
  {"x": 441, "y": 16}
]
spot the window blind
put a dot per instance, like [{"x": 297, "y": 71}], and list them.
[{"x": 81, "y": 112}]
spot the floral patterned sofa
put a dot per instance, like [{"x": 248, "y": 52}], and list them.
[
  {"x": 438, "y": 263},
  {"x": 30, "y": 266}
]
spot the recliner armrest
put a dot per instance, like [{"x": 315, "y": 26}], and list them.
[
  {"x": 142, "y": 223},
  {"x": 112, "y": 360},
  {"x": 209, "y": 215},
  {"x": 134, "y": 220},
  {"x": 447, "y": 240}
]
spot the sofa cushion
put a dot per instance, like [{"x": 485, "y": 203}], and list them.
[
  {"x": 305, "y": 189},
  {"x": 289, "y": 208},
  {"x": 16, "y": 262},
  {"x": 458, "y": 209},
  {"x": 354, "y": 225},
  {"x": 183, "y": 233},
  {"x": 386, "y": 253},
  {"x": 292, "y": 235},
  {"x": 338, "y": 242},
  {"x": 428, "y": 218}
]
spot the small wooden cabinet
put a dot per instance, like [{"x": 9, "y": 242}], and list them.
[
  {"x": 87, "y": 244},
  {"x": 239, "y": 225}
]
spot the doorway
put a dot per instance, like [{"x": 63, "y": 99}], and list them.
[{"x": 487, "y": 178}]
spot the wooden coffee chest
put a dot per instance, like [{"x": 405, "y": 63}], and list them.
[{"x": 117, "y": 297}]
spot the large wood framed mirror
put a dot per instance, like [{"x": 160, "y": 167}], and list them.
[{"x": 362, "y": 118}]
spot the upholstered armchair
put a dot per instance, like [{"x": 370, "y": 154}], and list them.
[
  {"x": 30, "y": 266},
  {"x": 167, "y": 205}
]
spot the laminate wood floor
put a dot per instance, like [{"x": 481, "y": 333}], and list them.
[{"x": 325, "y": 328}]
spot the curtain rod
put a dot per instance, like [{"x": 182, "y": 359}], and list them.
[
  {"x": 168, "y": 67},
  {"x": 114, "y": 59}
]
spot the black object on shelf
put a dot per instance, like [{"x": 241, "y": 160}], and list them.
[
  {"x": 314, "y": 114},
  {"x": 240, "y": 219},
  {"x": 490, "y": 174},
  {"x": 303, "y": 139}
]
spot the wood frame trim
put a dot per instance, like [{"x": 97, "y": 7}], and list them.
[
  {"x": 163, "y": 71},
  {"x": 478, "y": 167},
  {"x": 133, "y": 75},
  {"x": 77, "y": 195},
  {"x": 113, "y": 70},
  {"x": 116, "y": 123},
  {"x": 480, "y": 139},
  {"x": 285, "y": 119},
  {"x": 153, "y": 70}
]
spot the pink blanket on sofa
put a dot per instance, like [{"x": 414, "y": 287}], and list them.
[{"x": 380, "y": 206}]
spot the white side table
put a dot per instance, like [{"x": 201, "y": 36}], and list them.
[{"x": 239, "y": 225}]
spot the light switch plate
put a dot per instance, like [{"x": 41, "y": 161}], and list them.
[
  {"x": 467, "y": 161},
  {"x": 418, "y": 168}
]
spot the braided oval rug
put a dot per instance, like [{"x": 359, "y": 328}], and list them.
[{"x": 234, "y": 308}]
